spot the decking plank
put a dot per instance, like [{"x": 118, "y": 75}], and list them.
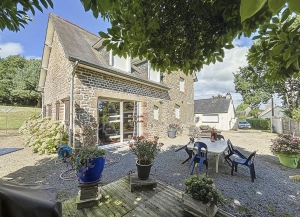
[
  {"x": 117, "y": 200},
  {"x": 109, "y": 207},
  {"x": 138, "y": 199}
]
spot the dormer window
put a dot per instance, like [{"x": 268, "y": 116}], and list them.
[
  {"x": 152, "y": 74},
  {"x": 121, "y": 63}
]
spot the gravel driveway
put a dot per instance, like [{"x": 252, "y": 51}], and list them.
[{"x": 271, "y": 194}]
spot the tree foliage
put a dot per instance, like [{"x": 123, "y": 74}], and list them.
[
  {"x": 250, "y": 8},
  {"x": 14, "y": 13},
  {"x": 174, "y": 34},
  {"x": 171, "y": 34},
  {"x": 278, "y": 47},
  {"x": 242, "y": 107},
  {"x": 218, "y": 96},
  {"x": 18, "y": 80},
  {"x": 253, "y": 93}
]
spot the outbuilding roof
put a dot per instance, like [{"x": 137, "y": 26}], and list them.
[{"x": 212, "y": 106}]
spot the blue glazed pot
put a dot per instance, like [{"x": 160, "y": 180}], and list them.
[{"x": 94, "y": 174}]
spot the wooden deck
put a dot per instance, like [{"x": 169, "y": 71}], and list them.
[{"x": 117, "y": 200}]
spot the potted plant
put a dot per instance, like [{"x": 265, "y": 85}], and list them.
[
  {"x": 201, "y": 197},
  {"x": 89, "y": 163},
  {"x": 145, "y": 151},
  {"x": 213, "y": 134},
  {"x": 172, "y": 130},
  {"x": 287, "y": 147}
]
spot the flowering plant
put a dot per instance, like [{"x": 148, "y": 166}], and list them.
[
  {"x": 213, "y": 130},
  {"x": 286, "y": 144},
  {"x": 144, "y": 149}
]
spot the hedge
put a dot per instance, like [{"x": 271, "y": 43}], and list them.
[{"x": 260, "y": 123}]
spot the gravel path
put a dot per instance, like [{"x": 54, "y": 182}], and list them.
[{"x": 271, "y": 194}]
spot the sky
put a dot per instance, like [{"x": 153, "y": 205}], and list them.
[{"x": 212, "y": 80}]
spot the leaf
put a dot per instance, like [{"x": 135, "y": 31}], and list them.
[
  {"x": 276, "y": 49},
  {"x": 296, "y": 64},
  {"x": 288, "y": 52},
  {"x": 229, "y": 46},
  {"x": 256, "y": 37},
  {"x": 104, "y": 35},
  {"x": 275, "y": 20},
  {"x": 276, "y": 5},
  {"x": 294, "y": 5},
  {"x": 220, "y": 59},
  {"x": 44, "y": 3},
  {"x": 105, "y": 42},
  {"x": 293, "y": 34},
  {"x": 249, "y": 8},
  {"x": 295, "y": 56},
  {"x": 282, "y": 36},
  {"x": 285, "y": 14}
]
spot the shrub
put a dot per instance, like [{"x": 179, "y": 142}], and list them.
[
  {"x": 259, "y": 123},
  {"x": 202, "y": 188},
  {"x": 43, "y": 135}
]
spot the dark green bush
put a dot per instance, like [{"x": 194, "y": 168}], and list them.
[
  {"x": 260, "y": 123},
  {"x": 202, "y": 188}
]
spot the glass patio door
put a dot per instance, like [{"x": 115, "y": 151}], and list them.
[{"x": 118, "y": 121}]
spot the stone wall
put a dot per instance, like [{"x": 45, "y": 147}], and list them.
[
  {"x": 57, "y": 85},
  {"x": 91, "y": 86}
]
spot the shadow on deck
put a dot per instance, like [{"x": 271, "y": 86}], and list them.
[{"x": 117, "y": 200}]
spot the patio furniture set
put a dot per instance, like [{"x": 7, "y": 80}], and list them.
[{"x": 198, "y": 151}]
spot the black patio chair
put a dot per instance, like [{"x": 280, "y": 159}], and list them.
[
  {"x": 230, "y": 152},
  {"x": 219, "y": 137},
  {"x": 189, "y": 152},
  {"x": 200, "y": 157},
  {"x": 249, "y": 162}
]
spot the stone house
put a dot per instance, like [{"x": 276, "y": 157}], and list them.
[
  {"x": 106, "y": 99},
  {"x": 216, "y": 112}
]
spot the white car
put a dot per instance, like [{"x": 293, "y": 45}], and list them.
[{"x": 244, "y": 125}]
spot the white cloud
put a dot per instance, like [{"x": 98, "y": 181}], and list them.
[
  {"x": 10, "y": 48},
  {"x": 218, "y": 78},
  {"x": 33, "y": 57}
]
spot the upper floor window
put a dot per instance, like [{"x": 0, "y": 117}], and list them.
[
  {"x": 155, "y": 112},
  {"x": 177, "y": 111},
  {"x": 152, "y": 74},
  {"x": 181, "y": 84},
  {"x": 120, "y": 62}
]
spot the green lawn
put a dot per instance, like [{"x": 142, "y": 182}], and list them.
[{"x": 16, "y": 117}]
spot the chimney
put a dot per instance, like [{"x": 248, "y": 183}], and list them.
[{"x": 228, "y": 96}]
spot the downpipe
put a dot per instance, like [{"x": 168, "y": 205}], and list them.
[{"x": 71, "y": 104}]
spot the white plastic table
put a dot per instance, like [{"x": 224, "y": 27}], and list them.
[{"x": 217, "y": 148}]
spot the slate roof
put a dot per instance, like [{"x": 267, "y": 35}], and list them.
[
  {"x": 78, "y": 44},
  {"x": 269, "y": 110},
  {"x": 211, "y": 106}
]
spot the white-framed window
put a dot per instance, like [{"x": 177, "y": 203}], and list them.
[
  {"x": 155, "y": 112},
  {"x": 210, "y": 118},
  {"x": 152, "y": 74},
  {"x": 177, "y": 111},
  {"x": 181, "y": 84},
  {"x": 120, "y": 62}
]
